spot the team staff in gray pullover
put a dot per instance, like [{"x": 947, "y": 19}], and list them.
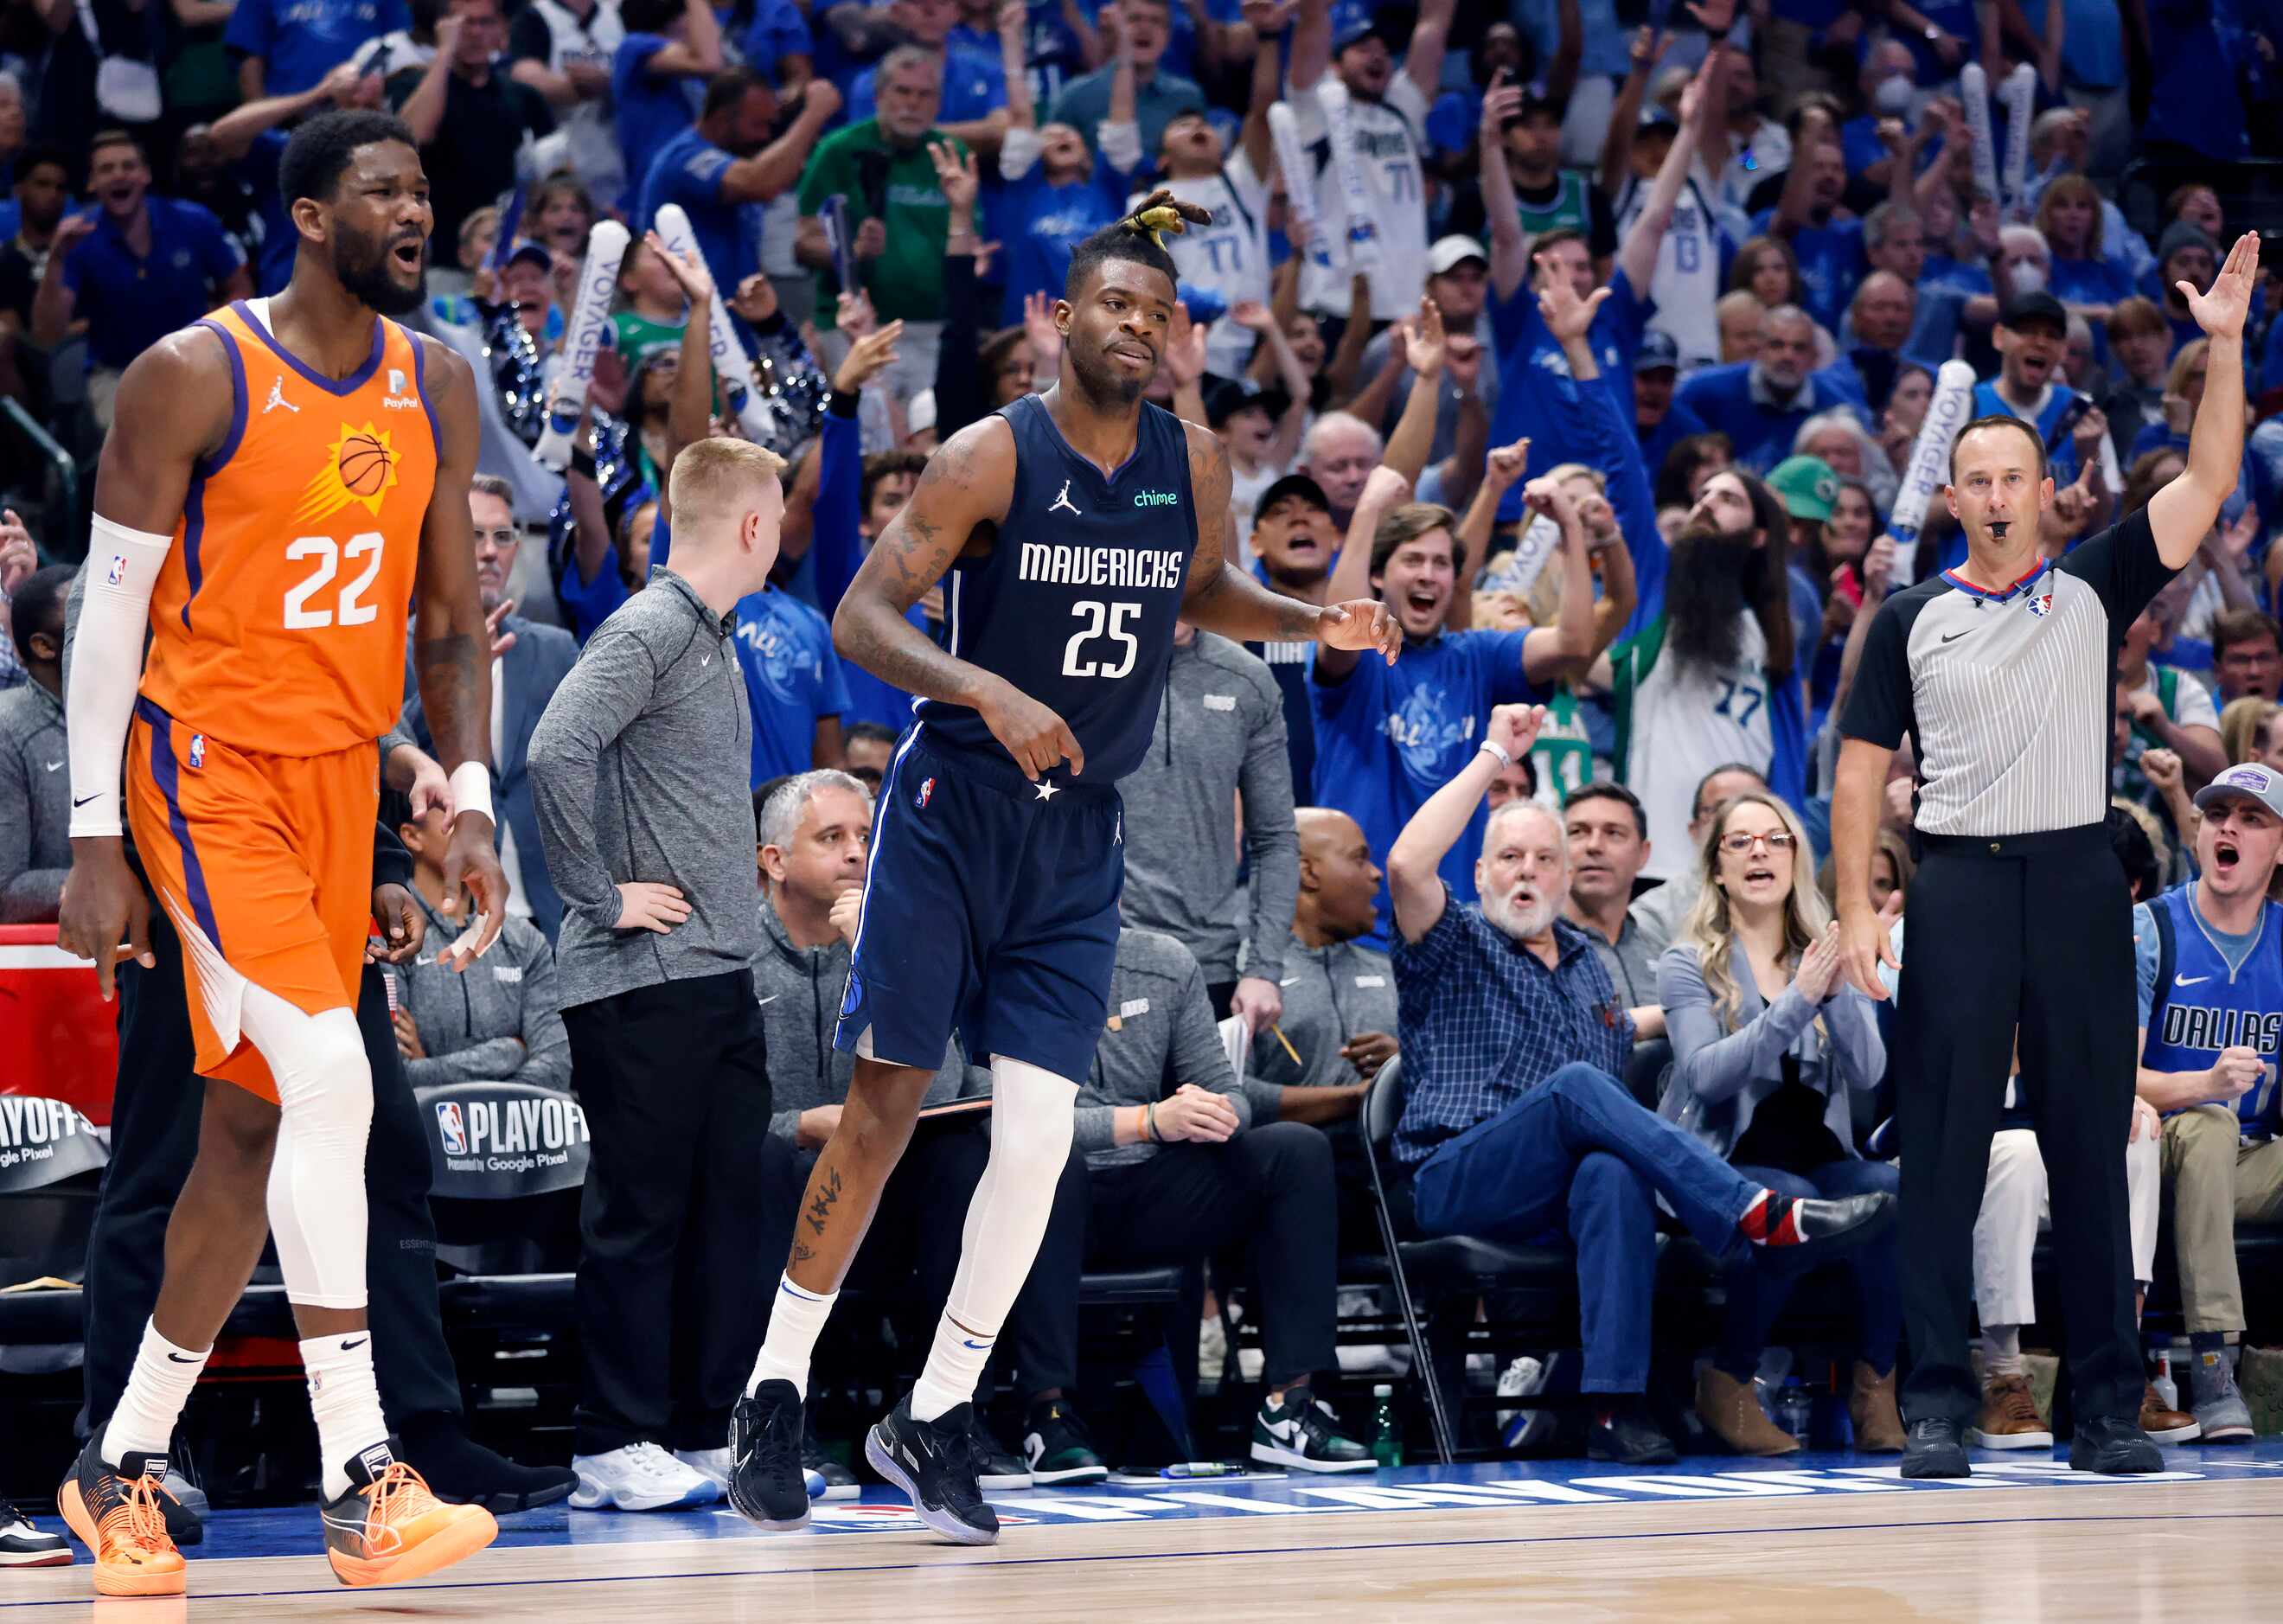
[
  {"x": 1176, "y": 1170},
  {"x": 640, "y": 771},
  {"x": 1221, "y": 736},
  {"x": 1338, "y": 1024},
  {"x": 498, "y": 1021},
  {"x": 35, "y": 788}
]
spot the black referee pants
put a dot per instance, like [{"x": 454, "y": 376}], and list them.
[
  {"x": 2033, "y": 931},
  {"x": 154, "y": 1138},
  {"x": 671, "y": 1299}
]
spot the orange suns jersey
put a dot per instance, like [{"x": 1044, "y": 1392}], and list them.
[{"x": 278, "y": 621}]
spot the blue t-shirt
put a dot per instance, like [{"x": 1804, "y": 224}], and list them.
[
  {"x": 2092, "y": 41},
  {"x": 301, "y": 41},
  {"x": 129, "y": 304},
  {"x": 792, "y": 677},
  {"x": 280, "y": 239},
  {"x": 778, "y": 30},
  {"x": 688, "y": 170},
  {"x": 1722, "y": 395},
  {"x": 1940, "y": 270},
  {"x": 974, "y": 87},
  {"x": 651, "y": 111},
  {"x": 1538, "y": 398},
  {"x": 2194, "y": 101},
  {"x": 1830, "y": 264},
  {"x": 2090, "y": 282},
  {"x": 1041, "y": 224},
  {"x": 1387, "y": 737}
]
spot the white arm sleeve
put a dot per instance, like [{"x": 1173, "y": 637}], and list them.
[{"x": 107, "y": 667}]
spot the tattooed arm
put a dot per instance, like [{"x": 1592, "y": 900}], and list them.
[
  {"x": 964, "y": 488},
  {"x": 451, "y": 647},
  {"x": 1232, "y": 602}
]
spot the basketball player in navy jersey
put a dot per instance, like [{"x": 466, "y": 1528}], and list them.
[{"x": 1069, "y": 531}]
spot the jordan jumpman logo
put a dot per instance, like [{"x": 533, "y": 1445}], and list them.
[{"x": 1063, "y": 501}]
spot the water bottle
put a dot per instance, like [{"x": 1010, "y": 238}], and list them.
[
  {"x": 1386, "y": 1433},
  {"x": 1793, "y": 1412},
  {"x": 2167, "y": 1387}
]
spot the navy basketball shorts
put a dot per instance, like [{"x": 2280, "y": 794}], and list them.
[{"x": 989, "y": 910}]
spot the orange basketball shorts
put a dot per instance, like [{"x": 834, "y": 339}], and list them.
[{"x": 264, "y": 862}]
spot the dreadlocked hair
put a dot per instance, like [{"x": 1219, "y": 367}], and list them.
[{"x": 1140, "y": 237}]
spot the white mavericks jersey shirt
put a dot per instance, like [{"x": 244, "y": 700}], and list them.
[{"x": 1387, "y": 142}]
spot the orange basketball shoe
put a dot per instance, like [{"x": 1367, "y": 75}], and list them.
[
  {"x": 388, "y": 1528},
  {"x": 115, "y": 1512}
]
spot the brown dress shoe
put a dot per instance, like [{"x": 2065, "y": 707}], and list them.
[
  {"x": 1872, "y": 1408},
  {"x": 2165, "y": 1425},
  {"x": 2009, "y": 1418},
  {"x": 1729, "y": 1408}
]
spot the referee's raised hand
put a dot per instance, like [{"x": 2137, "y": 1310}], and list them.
[{"x": 1867, "y": 939}]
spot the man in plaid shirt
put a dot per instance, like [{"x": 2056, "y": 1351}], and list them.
[{"x": 1515, "y": 1127}]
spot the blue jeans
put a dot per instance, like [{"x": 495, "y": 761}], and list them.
[
  {"x": 1577, "y": 1157},
  {"x": 1759, "y": 1287}
]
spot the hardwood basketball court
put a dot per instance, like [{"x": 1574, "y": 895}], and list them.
[{"x": 1824, "y": 1537}]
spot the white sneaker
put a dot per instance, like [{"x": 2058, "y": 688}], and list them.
[
  {"x": 640, "y": 1477},
  {"x": 715, "y": 1463}
]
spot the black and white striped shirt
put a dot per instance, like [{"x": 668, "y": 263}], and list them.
[{"x": 2008, "y": 696}]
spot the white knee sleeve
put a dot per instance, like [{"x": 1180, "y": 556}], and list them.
[
  {"x": 316, "y": 1177},
  {"x": 1032, "y": 1111}
]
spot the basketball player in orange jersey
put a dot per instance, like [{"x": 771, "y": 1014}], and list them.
[{"x": 280, "y": 482}]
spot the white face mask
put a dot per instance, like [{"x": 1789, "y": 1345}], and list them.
[
  {"x": 1893, "y": 95},
  {"x": 2028, "y": 276}
]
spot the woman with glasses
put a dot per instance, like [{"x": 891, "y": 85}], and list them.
[{"x": 1768, "y": 1039}]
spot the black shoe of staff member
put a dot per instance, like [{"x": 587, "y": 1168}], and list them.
[
  {"x": 2113, "y": 1448},
  {"x": 1936, "y": 1449}
]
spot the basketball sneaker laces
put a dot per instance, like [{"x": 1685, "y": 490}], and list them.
[
  {"x": 134, "y": 1521},
  {"x": 397, "y": 1495}
]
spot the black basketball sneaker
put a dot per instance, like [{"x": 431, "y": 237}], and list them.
[
  {"x": 767, "y": 1483},
  {"x": 934, "y": 1462}
]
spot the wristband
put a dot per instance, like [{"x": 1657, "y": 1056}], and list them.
[
  {"x": 1504, "y": 760},
  {"x": 1149, "y": 1123},
  {"x": 472, "y": 790}
]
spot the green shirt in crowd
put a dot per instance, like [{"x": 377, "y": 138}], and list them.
[
  {"x": 907, "y": 280},
  {"x": 639, "y": 337}
]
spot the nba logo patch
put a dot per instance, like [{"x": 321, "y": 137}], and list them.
[
  {"x": 926, "y": 790},
  {"x": 2041, "y": 603},
  {"x": 448, "y": 1124},
  {"x": 117, "y": 573},
  {"x": 198, "y": 750}
]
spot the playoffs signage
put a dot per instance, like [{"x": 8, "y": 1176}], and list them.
[
  {"x": 42, "y": 1141},
  {"x": 494, "y": 1141}
]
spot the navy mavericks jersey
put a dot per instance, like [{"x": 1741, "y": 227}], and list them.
[{"x": 1075, "y": 606}]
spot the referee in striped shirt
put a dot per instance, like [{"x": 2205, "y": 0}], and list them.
[{"x": 2002, "y": 672}]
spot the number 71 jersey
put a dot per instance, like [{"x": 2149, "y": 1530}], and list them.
[
  {"x": 277, "y": 624},
  {"x": 1075, "y": 603}
]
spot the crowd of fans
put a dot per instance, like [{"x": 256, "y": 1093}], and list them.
[{"x": 1611, "y": 404}]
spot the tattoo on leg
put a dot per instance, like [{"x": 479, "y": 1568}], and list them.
[
  {"x": 820, "y": 1208},
  {"x": 801, "y": 1254}
]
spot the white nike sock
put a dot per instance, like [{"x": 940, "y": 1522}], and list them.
[
  {"x": 954, "y": 1364},
  {"x": 346, "y": 1402},
  {"x": 160, "y": 1385},
  {"x": 795, "y": 1318},
  {"x": 1033, "y": 1113}
]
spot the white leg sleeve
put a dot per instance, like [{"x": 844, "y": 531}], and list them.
[
  {"x": 316, "y": 1177},
  {"x": 2144, "y": 1184},
  {"x": 1031, "y": 1115},
  {"x": 2012, "y": 1204}
]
